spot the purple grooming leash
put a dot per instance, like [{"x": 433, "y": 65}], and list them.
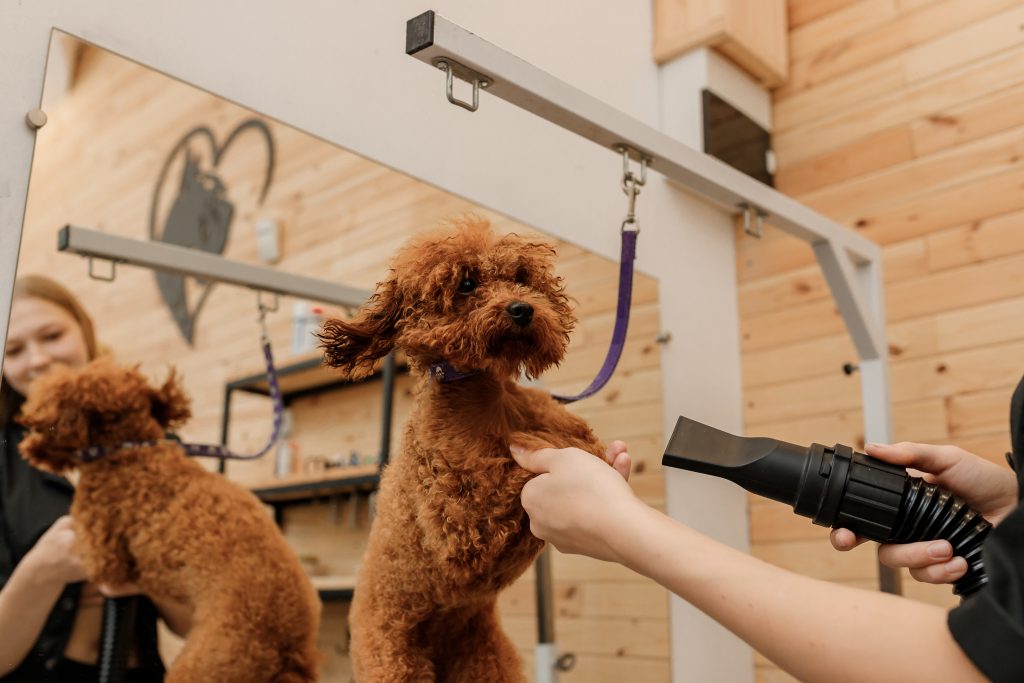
[
  {"x": 621, "y": 320},
  {"x": 213, "y": 450}
]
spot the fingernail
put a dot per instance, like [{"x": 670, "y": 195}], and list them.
[
  {"x": 515, "y": 449},
  {"x": 940, "y": 549},
  {"x": 957, "y": 564}
]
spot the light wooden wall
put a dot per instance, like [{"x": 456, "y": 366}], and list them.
[
  {"x": 96, "y": 163},
  {"x": 904, "y": 120}
]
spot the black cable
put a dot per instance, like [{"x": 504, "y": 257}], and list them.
[{"x": 116, "y": 637}]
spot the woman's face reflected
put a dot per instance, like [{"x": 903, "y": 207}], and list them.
[{"x": 41, "y": 334}]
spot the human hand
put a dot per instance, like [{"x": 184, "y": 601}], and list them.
[
  {"x": 617, "y": 455},
  {"x": 987, "y": 488},
  {"x": 576, "y": 502},
  {"x": 94, "y": 595},
  {"x": 55, "y": 557}
]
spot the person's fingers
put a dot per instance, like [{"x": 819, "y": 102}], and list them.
[
  {"x": 118, "y": 591},
  {"x": 63, "y": 522},
  {"x": 915, "y": 555},
  {"x": 534, "y": 461},
  {"x": 943, "y": 572},
  {"x": 844, "y": 539},
  {"x": 531, "y": 497},
  {"x": 614, "y": 449},
  {"x": 623, "y": 463},
  {"x": 532, "y": 492},
  {"x": 920, "y": 456}
]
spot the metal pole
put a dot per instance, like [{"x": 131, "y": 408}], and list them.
[
  {"x": 205, "y": 266},
  {"x": 387, "y": 410},
  {"x": 546, "y": 651},
  {"x": 874, "y": 383}
]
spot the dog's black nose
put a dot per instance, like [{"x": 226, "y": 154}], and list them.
[{"x": 521, "y": 312}]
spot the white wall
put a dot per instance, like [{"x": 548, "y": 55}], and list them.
[{"x": 337, "y": 69}]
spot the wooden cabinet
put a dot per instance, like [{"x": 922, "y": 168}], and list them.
[{"x": 752, "y": 33}]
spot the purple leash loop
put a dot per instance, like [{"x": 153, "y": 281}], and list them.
[
  {"x": 621, "y": 320},
  {"x": 222, "y": 451},
  {"x": 631, "y": 185}
]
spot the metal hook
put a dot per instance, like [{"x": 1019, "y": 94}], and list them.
[
  {"x": 757, "y": 230},
  {"x": 631, "y": 184},
  {"x": 264, "y": 309},
  {"x": 626, "y": 172},
  {"x": 104, "y": 278},
  {"x": 449, "y": 85},
  {"x": 566, "y": 662}
]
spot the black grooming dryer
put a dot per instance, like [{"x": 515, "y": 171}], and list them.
[{"x": 837, "y": 487}]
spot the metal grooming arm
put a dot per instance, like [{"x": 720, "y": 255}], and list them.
[{"x": 174, "y": 259}]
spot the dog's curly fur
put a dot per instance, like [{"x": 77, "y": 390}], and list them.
[
  {"x": 151, "y": 516},
  {"x": 450, "y": 531}
]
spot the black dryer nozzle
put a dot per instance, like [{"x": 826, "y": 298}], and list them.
[
  {"x": 836, "y": 487},
  {"x": 767, "y": 467}
]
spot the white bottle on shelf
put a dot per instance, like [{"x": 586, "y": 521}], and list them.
[
  {"x": 283, "y": 458},
  {"x": 306, "y": 322}
]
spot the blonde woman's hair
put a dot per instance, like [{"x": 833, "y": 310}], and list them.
[{"x": 40, "y": 287}]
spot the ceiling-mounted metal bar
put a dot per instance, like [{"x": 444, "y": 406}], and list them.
[
  {"x": 203, "y": 265},
  {"x": 431, "y": 38}
]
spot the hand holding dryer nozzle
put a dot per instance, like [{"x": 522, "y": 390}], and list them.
[{"x": 838, "y": 488}]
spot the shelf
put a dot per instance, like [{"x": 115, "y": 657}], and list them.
[
  {"x": 307, "y": 375},
  {"x": 334, "y": 587},
  {"x": 307, "y": 486},
  {"x": 300, "y": 376}
]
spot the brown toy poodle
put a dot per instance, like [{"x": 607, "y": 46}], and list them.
[
  {"x": 471, "y": 310},
  {"x": 148, "y": 515}
]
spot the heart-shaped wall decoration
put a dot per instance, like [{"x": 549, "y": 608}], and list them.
[{"x": 201, "y": 213}]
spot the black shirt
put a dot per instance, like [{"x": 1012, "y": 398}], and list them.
[
  {"x": 989, "y": 626},
  {"x": 30, "y": 502}
]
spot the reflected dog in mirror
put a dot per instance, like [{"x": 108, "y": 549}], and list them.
[{"x": 148, "y": 515}]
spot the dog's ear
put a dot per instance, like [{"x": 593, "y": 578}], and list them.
[
  {"x": 170, "y": 405},
  {"x": 55, "y": 450},
  {"x": 32, "y": 448},
  {"x": 355, "y": 346}
]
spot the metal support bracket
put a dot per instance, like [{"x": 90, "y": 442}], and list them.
[
  {"x": 846, "y": 289},
  {"x": 452, "y": 70},
  {"x": 753, "y": 220}
]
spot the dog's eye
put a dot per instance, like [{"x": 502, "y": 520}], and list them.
[
  {"x": 467, "y": 285},
  {"x": 521, "y": 276}
]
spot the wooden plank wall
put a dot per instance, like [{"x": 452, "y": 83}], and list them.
[
  {"x": 96, "y": 165},
  {"x": 904, "y": 120}
]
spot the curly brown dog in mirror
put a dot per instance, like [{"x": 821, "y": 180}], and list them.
[
  {"x": 472, "y": 310},
  {"x": 146, "y": 514}
]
